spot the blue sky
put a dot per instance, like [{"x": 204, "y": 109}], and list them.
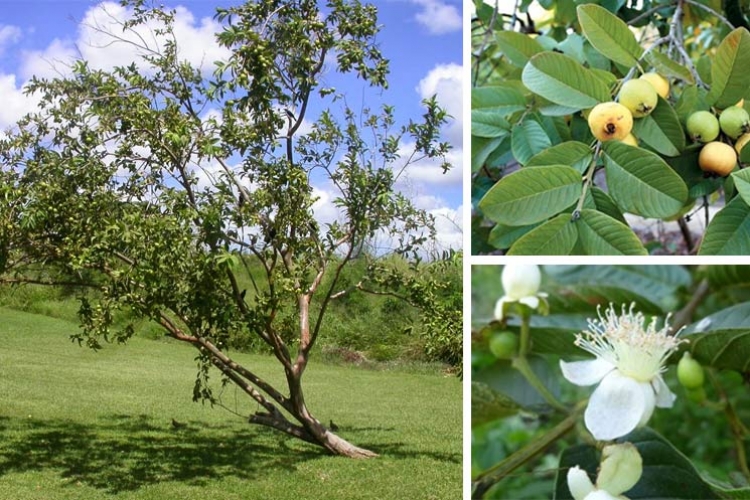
[{"x": 422, "y": 39}]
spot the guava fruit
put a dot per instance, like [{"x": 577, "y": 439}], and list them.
[
  {"x": 610, "y": 120},
  {"x": 639, "y": 96},
  {"x": 702, "y": 126},
  {"x": 690, "y": 372},
  {"x": 660, "y": 84},
  {"x": 504, "y": 345},
  {"x": 734, "y": 121},
  {"x": 718, "y": 158}
]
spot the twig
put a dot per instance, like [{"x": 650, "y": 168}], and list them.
[
  {"x": 686, "y": 234},
  {"x": 685, "y": 315},
  {"x": 711, "y": 11}
]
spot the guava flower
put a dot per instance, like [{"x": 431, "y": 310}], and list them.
[
  {"x": 620, "y": 470},
  {"x": 629, "y": 364},
  {"x": 521, "y": 284}
]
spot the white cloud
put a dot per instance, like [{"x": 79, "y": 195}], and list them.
[
  {"x": 95, "y": 43},
  {"x": 15, "y": 103},
  {"x": 8, "y": 36},
  {"x": 438, "y": 17},
  {"x": 446, "y": 81}
]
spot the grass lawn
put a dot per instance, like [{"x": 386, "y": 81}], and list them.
[{"x": 87, "y": 425}]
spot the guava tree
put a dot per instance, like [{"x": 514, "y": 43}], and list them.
[
  {"x": 186, "y": 196},
  {"x": 610, "y": 382},
  {"x": 559, "y": 168}
]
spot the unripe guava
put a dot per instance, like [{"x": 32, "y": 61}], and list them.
[
  {"x": 690, "y": 372},
  {"x": 639, "y": 97},
  {"x": 610, "y": 120},
  {"x": 504, "y": 345},
  {"x": 718, "y": 158},
  {"x": 661, "y": 85},
  {"x": 741, "y": 142},
  {"x": 734, "y": 121},
  {"x": 630, "y": 139},
  {"x": 702, "y": 126}
]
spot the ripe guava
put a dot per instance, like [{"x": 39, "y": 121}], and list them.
[
  {"x": 630, "y": 139},
  {"x": 639, "y": 97},
  {"x": 702, "y": 126},
  {"x": 734, "y": 121},
  {"x": 504, "y": 345},
  {"x": 718, "y": 158},
  {"x": 610, "y": 120},
  {"x": 661, "y": 85}
]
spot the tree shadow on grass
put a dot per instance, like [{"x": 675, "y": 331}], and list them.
[{"x": 124, "y": 453}]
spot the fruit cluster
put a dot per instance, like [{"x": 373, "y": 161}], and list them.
[
  {"x": 638, "y": 98},
  {"x": 716, "y": 156}
]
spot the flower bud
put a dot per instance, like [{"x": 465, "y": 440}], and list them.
[
  {"x": 690, "y": 372},
  {"x": 521, "y": 280},
  {"x": 620, "y": 469},
  {"x": 504, "y": 345}
]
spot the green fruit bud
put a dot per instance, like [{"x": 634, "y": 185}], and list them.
[
  {"x": 504, "y": 345},
  {"x": 690, "y": 372},
  {"x": 639, "y": 96},
  {"x": 734, "y": 121},
  {"x": 703, "y": 126}
]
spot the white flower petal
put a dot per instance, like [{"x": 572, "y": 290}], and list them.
[
  {"x": 664, "y": 397},
  {"x": 532, "y": 301},
  {"x": 601, "y": 495},
  {"x": 499, "y": 307},
  {"x": 521, "y": 280},
  {"x": 649, "y": 399},
  {"x": 579, "y": 483},
  {"x": 587, "y": 372},
  {"x": 615, "y": 408}
]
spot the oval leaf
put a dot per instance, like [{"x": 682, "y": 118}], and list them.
[
  {"x": 609, "y": 35},
  {"x": 557, "y": 236},
  {"x": 642, "y": 183},
  {"x": 531, "y": 195},
  {"x": 488, "y": 405},
  {"x": 517, "y": 47},
  {"x": 722, "y": 340},
  {"x": 528, "y": 139},
  {"x": 576, "y": 154},
  {"x": 661, "y": 130},
  {"x": 600, "y": 234},
  {"x": 729, "y": 76},
  {"x": 561, "y": 80},
  {"x": 742, "y": 184},
  {"x": 503, "y": 100},
  {"x": 729, "y": 231},
  {"x": 488, "y": 124},
  {"x": 667, "y": 67}
]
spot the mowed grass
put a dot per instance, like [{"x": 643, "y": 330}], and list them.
[{"x": 78, "y": 424}]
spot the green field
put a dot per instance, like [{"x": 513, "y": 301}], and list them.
[{"x": 80, "y": 424}]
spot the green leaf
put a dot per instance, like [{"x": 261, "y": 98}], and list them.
[
  {"x": 576, "y": 154},
  {"x": 669, "y": 68},
  {"x": 729, "y": 231},
  {"x": 600, "y": 234},
  {"x": 481, "y": 149},
  {"x": 506, "y": 380},
  {"x": 609, "y": 35},
  {"x": 641, "y": 183},
  {"x": 531, "y": 195},
  {"x": 661, "y": 130},
  {"x": 528, "y": 139},
  {"x": 557, "y": 236},
  {"x": 502, "y": 99},
  {"x": 722, "y": 340},
  {"x": 517, "y": 47},
  {"x": 561, "y": 80},
  {"x": 742, "y": 184},
  {"x": 488, "y": 404},
  {"x": 502, "y": 236},
  {"x": 729, "y": 76},
  {"x": 605, "y": 204},
  {"x": 488, "y": 124},
  {"x": 667, "y": 473}
]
